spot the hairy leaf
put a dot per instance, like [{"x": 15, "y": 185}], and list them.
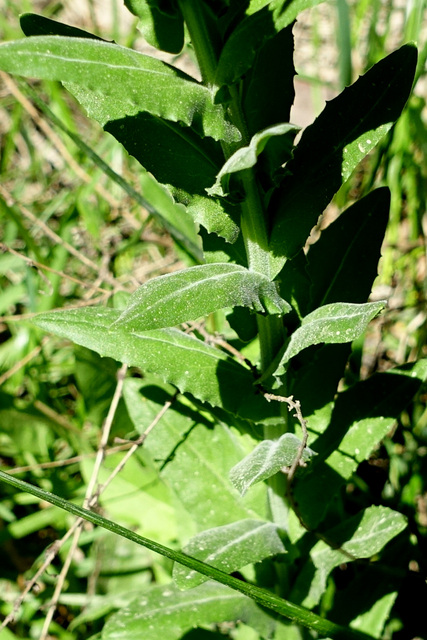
[
  {"x": 332, "y": 324},
  {"x": 183, "y": 161},
  {"x": 266, "y": 460},
  {"x": 229, "y": 548},
  {"x": 189, "y": 294},
  {"x": 362, "y": 536},
  {"x": 172, "y": 612},
  {"x": 329, "y": 150},
  {"x": 193, "y": 455},
  {"x": 247, "y": 157},
  {"x": 113, "y": 82},
  {"x": 190, "y": 364},
  {"x": 262, "y": 596},
  {"x": 362, "y": 416}
]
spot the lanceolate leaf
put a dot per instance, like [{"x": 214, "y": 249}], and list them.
[
  {"x": 343, "y": 263},
  {"x": 183, "y": 161},
  {"x": 229, "y": 548},
  {"x": 250, "y": 35},
  {"x": 362, "y": 536},
  {"x": 267, "y": 459},
  {"x": 113, "y": 82},
  {"x": 247, "y": 157},
  {"x": 268, "y": 88},
  {"x": 261, "y": 596},
  {"x": 187, "y": 295},
  {"x": 193, "y": 455},
  {"x": 190, "y": 364},
  {"x": 167, "y": 611},
  {"x": 362, "y": 416},
  {"x": 333, "y": 323},
  {"x": 329, "y": 150}
]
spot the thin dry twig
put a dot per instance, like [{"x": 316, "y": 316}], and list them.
[
  {"x": 25, "y": 360},
  {"x": 55, "y": 416},
  {"x": 90, "y": 491},
  {"x": 298, "y": 462},
  {"x": 44, "y": 267},
  {"x": 68, "y": 461},
  {"x": 56, "y": 140},
  {"x": 57, "y": 545},
  {"x": 10, "y": 201},
  {"x": 293, "y": 405}
]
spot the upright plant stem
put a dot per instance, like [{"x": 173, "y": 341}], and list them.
[{"x": 253, "y": 228}]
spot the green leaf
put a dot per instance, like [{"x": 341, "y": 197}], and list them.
[
  {"x": 189, "y": 294},
  {"x": 163, "y": 29},
  {"x": 362, "y": 416},
  {"x": 182, "y": 161},
  {"x": 172, "y": 612},
  {"x": 266, "y": 460},
  {"x": 331, "y": 324},
  {"x": 268, "y": 88},
  {"x": 329, "y": 150},
  {"x": 261, "y": 596},
  {"x": 113, "y": 82},
  {"x": 251, "y": 34},
  {"x": 190, "y": 364},
  {"x": 229, "y": 548},
  {"x": 193, "y": 455},
  {"x": 137, "y": 485},
  {"x": 343, "y": 263},
  {"x": 366, "y": 603},
  {"x": 247, "y": 157},
  {"x": 362, "y": 536},
  {"x": 34, "y": 25}
]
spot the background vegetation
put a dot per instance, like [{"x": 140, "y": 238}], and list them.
[{"x": 73, "y": 234}]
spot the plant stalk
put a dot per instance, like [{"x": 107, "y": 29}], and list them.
[
  {"x": 291, "y": 611},
  {"x": 252, "y": 222}
]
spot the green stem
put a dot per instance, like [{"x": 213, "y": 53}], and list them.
[
  {"x": 263, "y": 597},
  {"x": 201, "y": 38},
  {"x": 253, "y": 218}
]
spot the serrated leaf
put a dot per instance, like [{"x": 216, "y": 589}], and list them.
[
  {"x": 247, "y": 157},
  {"x": 189, "y": 294},
  {"x": 343, "y": 263},
  {"x": 361, "y": 536},
  {"x": 332, "y": 324},
  {"x": 171, "y": 612},
  {"x": 229, "y": 548},
  {"x": 113, "y": 82},
  {"x": 190, "y": 364},
  {"x": 333, "y": 145},
  {"x": 362, "y": 416},
  {"x": 266, "y": 460},
  {"x": 193, "y": 455},
  {"x": 250, "y": 35},
  {"x": 184, "y": 162}
]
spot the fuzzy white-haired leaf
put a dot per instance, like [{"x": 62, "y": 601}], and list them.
[
  {"x": 266, "y": 460},
  {"x": 189, "y": 294},
  {"x": 229, "y": 548}
]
